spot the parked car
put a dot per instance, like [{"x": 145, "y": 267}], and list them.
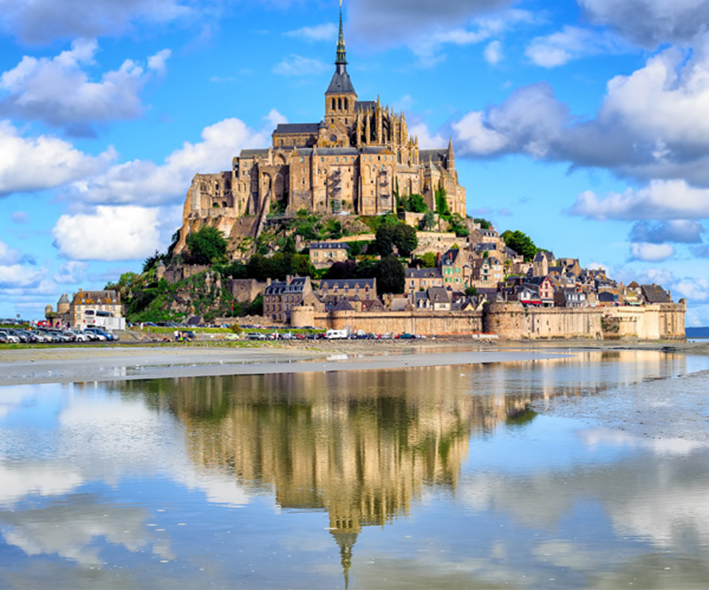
[
  {"x": 9, "y": 338},
  {"x": 97, "y": 334},
  {"x": 79, "y": 336},
  {"x": 21, "y": 334}
]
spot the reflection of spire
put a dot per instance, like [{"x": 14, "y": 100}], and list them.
[{"x": 346, "y": 541}]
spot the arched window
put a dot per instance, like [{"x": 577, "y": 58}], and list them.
[
  {"x": 346, "y": 104},
  {"x": 339, "y": 104},
  {"x": 333, "y": 104}
]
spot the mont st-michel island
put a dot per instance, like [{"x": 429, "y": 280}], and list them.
[
  {"x": 347, "y": 224},
  {"x": 367, "y": 295}
]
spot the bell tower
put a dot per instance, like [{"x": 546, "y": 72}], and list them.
[{"x": 340, "y": 97}]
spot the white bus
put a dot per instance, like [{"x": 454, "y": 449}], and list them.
[{"x": 102, "y": 319}]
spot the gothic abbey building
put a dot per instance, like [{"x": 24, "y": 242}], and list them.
[{"x": 356, "y": 160}]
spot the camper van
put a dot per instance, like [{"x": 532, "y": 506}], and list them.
[{"x": 337, "y": 334}]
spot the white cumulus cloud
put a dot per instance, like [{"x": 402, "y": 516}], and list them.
[
  {"x": 41, "y": 21},
  {"x": 297, "y": 65},
  {"x": 58, "y": 91},
  {"x": 493, "y": 53},
  {"x": 44, "y": 162},
  {"x": 645, "y": 252},
  {"x": 324, "y": 32},
  {"x": 71, "y": 273},
  {"x": 650, "y": 23},
  {"x": 571, "y": 43},
  {"x": 146, "y": 183},
  {"x": 108, "y": 233},
  {"x": 659, "y": 200}
]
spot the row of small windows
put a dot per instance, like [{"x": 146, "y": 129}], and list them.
[{"x": 337, "y": 104}]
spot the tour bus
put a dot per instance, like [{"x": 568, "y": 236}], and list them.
[{"x": 102, "y": 319}]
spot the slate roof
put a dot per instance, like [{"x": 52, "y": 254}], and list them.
[
  {"x": 253, "y": 153},
  {"x": 297, "y": 285},
  {"x": 343, "y": 305},
  {"x": 290, "y": 128},
  {"x": 423, "y": 273},
  {"x": 372, "y": 305},
  {"x": 364, "y": 105},
  {"x": 433, "y": 155},
  {"x": 329, "y": 246},
  {"x": 342, "y": 284},
  {"x": 655, "y": 294},
  {"x": 450, "y": 257},
  {"x": 539, "y": 256},
  {"x": 438, "y": 295},
  {"x": 340, "y": 83}
]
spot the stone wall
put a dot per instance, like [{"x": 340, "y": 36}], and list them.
[
  {"x": 245, "y": 290},
  {"x": 399, "y": 322},
  {"x": 511, "y": 321},
  {"x": 175, "y": 274}
]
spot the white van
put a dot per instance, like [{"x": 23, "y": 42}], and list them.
[{"x": 337, "y": 334}]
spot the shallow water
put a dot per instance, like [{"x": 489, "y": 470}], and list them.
[{"x": 436, "y": 477}]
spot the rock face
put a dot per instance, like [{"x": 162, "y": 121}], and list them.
[{"x": 355, "y": 160}]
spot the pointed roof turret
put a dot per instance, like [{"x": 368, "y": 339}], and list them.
[{"x": 341, "y": 83}]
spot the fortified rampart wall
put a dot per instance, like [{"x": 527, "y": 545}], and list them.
[{"x": 512, "y": 321}]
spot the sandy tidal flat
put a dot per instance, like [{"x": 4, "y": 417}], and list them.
[{"x": 70, "y": 365}]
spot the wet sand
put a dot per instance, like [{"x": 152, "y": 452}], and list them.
[
  {"x": 88, "y": 364},
  {"x": 140, "y": 361}
]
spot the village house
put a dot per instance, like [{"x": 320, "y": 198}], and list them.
[
  {"x": 487, "y": 272},
  {"x": 325, "y": 254},
  {"x": 281, "y": 297},
  {"x": 439, "y": 298},
  {"x": 364, "y": 289},
  {"x": 570, "y": 298},
  {"x": 420, "y": 279},
  {"x": 544, "y": 288},
  {"x": 542, "y": 262},
  {"x": 456, "y": 269}
]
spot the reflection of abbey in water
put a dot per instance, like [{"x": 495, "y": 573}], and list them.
[
  {"x": 360, "y": 445},
  {"x": 363, "y": 445}
]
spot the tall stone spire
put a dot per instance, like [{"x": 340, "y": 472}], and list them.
[
  {"x": 341, "y": 52},
  {"x": 341, "y": 83}
]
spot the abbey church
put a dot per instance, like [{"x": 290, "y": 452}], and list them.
[{"x": 356, "y": 160}]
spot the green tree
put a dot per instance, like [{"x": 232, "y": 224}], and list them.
[
  {"x": 384, "y": 240},
  {"x": 457, "y": 225},
  {"x": 236, "y": 270},
  {"x": 428, "y": 220},
  {"x": 470, "y": 291},
  {"x": 207, "y": 246},
  {"x": 430, "y": 259},
  {"x": 520, "y": 243},
  {"x": 256, "y": 306},
  {"x": 342, "y": 270},
  {"x": 484, "y": 223},
  {"x": 300, "y": 266},
  {"x": 405, "y": 239},
  {"x": 417, "y": 204},
  {"x": 442, "y": 203},
  {"x": 390, "y": 275}
]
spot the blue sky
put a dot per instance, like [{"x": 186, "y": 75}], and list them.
[{"x": 581, "y": 123}]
